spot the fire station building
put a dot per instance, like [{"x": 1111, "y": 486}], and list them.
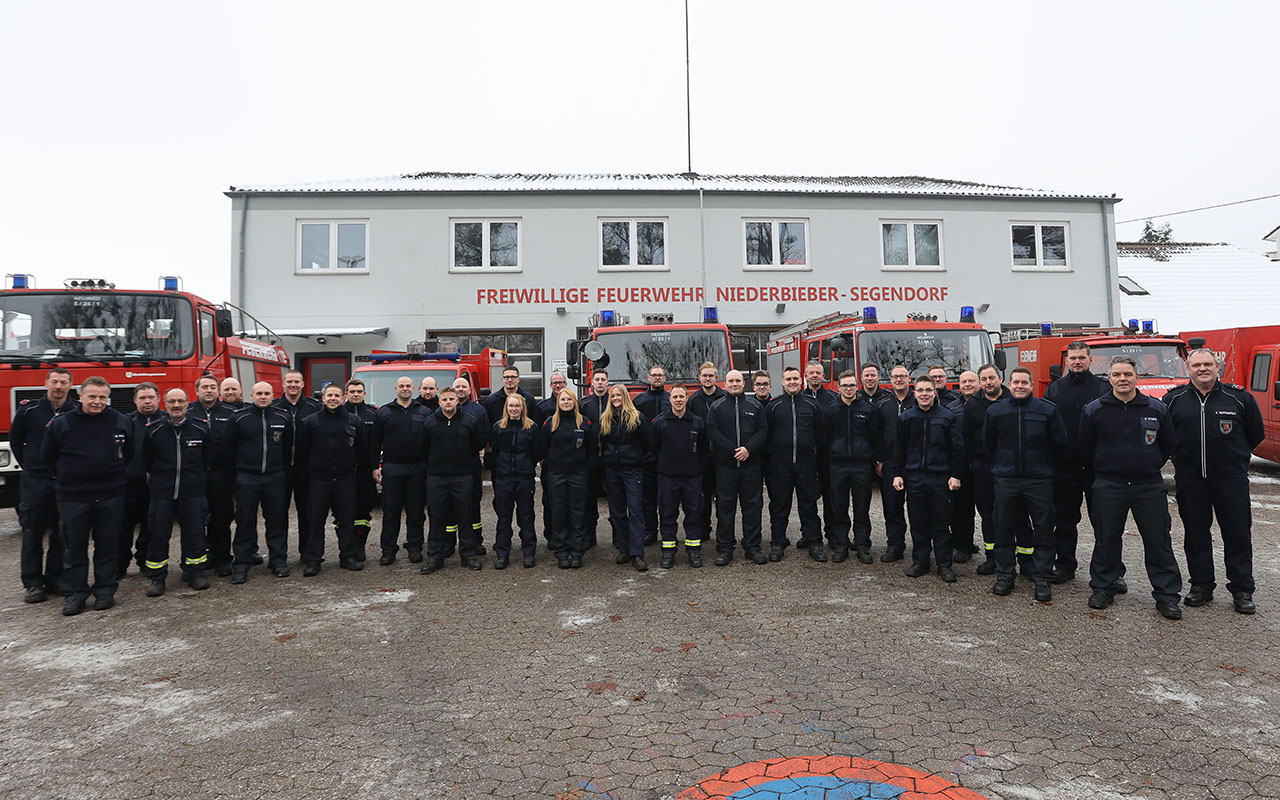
[{"x": 521, "y": 262}]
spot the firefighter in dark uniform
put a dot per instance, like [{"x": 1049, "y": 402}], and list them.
[
  {"x": 1073, "y": 478},
  {"x": 451, "y": 440},
  {"x": 854, "y": 437},
  {"x": 402, "y": 471},
  {"x": 977, "y": 461},
  {"x": 928, "y": 453},
  {"x": 177, "y": 455},
  {"x": 37, "y": 503},
  {"x": 624, "y": 446},
  {"x": 815, "y": 375},
  {"x": 1023, "y": 434},
  {"x": 569, "y": 444},
  {"x": 88, "y": 449},
  {"x": 962, "y": 506},
  {"x": 1128, "y": 437},
  {"x": 298, "y": 406},
  {"x": 795, "y": 438},
  {"x": 470, "y": 407},
  {"x": 257, "y": 440},
  {"x": 738, "y": 430},
  {"x": 366, "y": 486},
  {"x": 652, "y": 403},
  {"x": 700, "y": 403},
  {"x": 221, "y": 480},
  {"x": 513, "y": 466},
  {"x": 146, "y": 402},
  {"x": 427, "y": 392},
  {"x": 1218, "y": 425},
  {"x": 679, "y": 450},
  {"x": 545, "y": 408},
  {"x": 893, "y": 501},
  {"x": 331, "y": 443},
  {"x": 762, "y": 391},
  {"x": 592, "y": 406}
]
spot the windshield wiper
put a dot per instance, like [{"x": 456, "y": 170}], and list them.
[{"x": 33, "y": 360}]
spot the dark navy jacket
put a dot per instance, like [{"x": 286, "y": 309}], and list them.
[
  {"x": 700, "y": 402},
  {"x": 477, "y": 414},
  {"x": 136, "y": 472},
  {"x": 305, "y": 407},
  {"x": 927, "y": 442},
  {"x": 26, "y": 435},
  {"x": 176, "y": 458},
  {"x": 1071, "y": 393},
  {"x": 568, "y": 448},
  {"x": 367, "y": 415},
  {"x": 1216, "y": 432},
  {"x": 1023, "y": 437},
  {"x": 331, "y": 444},
  {"x": 1126, "y": 442},
  {"x": 974, "y": 418},
  {"x": 257, "y": 440},
  {"x": 854, "y": 432},
  {"x": 88, "y": 454},
  {"x": 451, "y": 444},
  {"x": 397, "y": 433},
  {"x": 218, "y": 417},
  {"x": 890, "y": 409},
  {"x": 495, "y": 404},
  {"x": 680, "y": 444},
  {"x": 735, "y": 422},
  {"x": 652, "y": 404},
  {"x": 822, "y": 395},
  {"x": 515, "y": 451},
  {"x": 622, "y": 448},
  {"x": 795, "y": 428}
]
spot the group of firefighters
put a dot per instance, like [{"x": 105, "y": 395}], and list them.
[{"x": 1024, "y": 464}]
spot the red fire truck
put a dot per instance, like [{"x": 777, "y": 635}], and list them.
[
  {"x": 1162, "y": 360},
  {"x": 424, "y": 360},
  {"x": 1250, "y": 358},
  {"x": 846, "y": 341},
  {"x": 167, "y": 337}
]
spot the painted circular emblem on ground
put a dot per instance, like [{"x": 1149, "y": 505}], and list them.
[{"x": 825, "y": 778}]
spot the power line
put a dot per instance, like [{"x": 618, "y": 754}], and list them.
[{"x": 1194, "y": 210}]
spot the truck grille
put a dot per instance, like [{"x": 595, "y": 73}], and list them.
[{"x": 121, "y": 397}]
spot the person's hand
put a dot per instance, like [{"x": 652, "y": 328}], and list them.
[
  {"x": 377, "y": 475},
  {"x": 898, "y": 484},
  {"x": 953, "y": 484},
  {"x": 741, "y": 454}
]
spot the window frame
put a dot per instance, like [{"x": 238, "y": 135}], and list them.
[
  {"x": 911, "y": 265},
  {"x": 1040, "y": 266},
  {"x": 632, "y": 227},
  {"x": 1264, "y": 373},
  {"x": 333, "y": 224},
  {"x": 777, "y": 266},
  {"x": 485, "y": 223}
]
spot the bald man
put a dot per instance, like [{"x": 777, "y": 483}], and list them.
[{"x": 257, "y": 441}]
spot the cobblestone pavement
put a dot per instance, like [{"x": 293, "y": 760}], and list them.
[{"x": 603, "y": 682}]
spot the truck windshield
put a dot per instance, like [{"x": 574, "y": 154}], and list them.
[
  {"x": 70, "y": 325},
  {"x": 380, "y": 385},
  {"x": 679, "y": 352},
  {"x": 917, "y": 350},
  {"x": 1155, "y": 360}
]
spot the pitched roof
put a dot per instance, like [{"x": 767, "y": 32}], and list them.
[
  {"x": 459, "y": 182},
  {"x": 1199, "y": 285}
]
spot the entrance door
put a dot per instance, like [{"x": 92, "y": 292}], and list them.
[{"x": 320, "y": 371}]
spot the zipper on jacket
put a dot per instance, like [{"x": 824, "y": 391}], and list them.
[
  {"x": 794, "y": 433},
  {"x": 1204, "y": 459},
  {"x": 1021, "y": 456},
  {"x": 177, "y": 475},
  {"x": 264, "y": 443}
]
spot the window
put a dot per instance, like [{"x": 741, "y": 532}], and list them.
[
  {"x": 524, "y": 351},
  {"x": 1130, "y": 286},
  {"x": 1039, "y": 245},
  {"x": 911, "y": 245},
  {"x": 639, "y": 244},
  {"x": 486, "y": 244},
  {"x": 332, "y": 246},
  {"x": 777, "y": 244},
  {"x": 208, "y": 344},
  {"x": 1261, "y": 373}
]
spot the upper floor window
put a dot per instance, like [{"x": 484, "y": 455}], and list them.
[
  {"x": 333, "y": 246},
  {"x": 911, "y": 245},
  {"x": 776, "y": 243},
  {"x": 1039, "y": 245},
  {"x": 486, "y": 244},
  {"x": 639, "y": 244}
]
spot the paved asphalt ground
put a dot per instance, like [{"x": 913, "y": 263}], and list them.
[{"x": 605, "y": 683}]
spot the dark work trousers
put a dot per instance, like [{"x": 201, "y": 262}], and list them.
[
  {"x": 220, "y": 489},
  {"x": 477, "y": 490},
  {"x": 1112, "y": 502},
  {"x": 568, "y": 533},
  {"x": 984, "y": 499},
  {"x": 340, "y": 497},
  {"x": 802, "y": 481},
  {"x": 252, "y": 490},
  {"x": 674, "y": 492},
  {"x": 649, "y": 475},
  {"x": 191, "y": 514},
  {"x": 38, "y": 515},
  {"x": 403, "y": 492},
  {"x": 80, "y": 521},
  {"x": 449, "y": 498},
  {"x": 514, "y": 494},
  {"x": 850, "y": 480},
  {"x": 595, "y": 489},
  {"x": 1201, "y": 499},
  {"x": 366, "y": 499},
  {"x": 962, "y": 511},
  {"x": 740, "y": 485},
  {"x": 136, "y": 511},
  {"x": 1016, "y": 501},
  {"x": 297, "y": 480},
  {"x": 1070, "y": 486},
  {"x": 895, "y": 517},
  {"x": 929, "y": 504},
  {"x": 708, "y": 497},
  {"x": 625, "y": 488}
]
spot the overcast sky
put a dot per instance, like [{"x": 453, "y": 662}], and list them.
[{"x": 124, "y": 122}]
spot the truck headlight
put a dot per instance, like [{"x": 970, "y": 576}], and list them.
[{"x": 4, "y": 458}]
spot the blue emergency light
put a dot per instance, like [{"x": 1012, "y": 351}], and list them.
[
  {"x": 710, "y": 316},
  {"x": 1046, "y": 328},
  {"x": 1148, "y": 326},
  {"x": 169, "y": 283},
  {"x": 1133, "y": 325},
  {"x": 18, "y": 281},
  {"x": 869, "y": 314},
  {"x": 607, "y": 318},
  {"x": 966, "y": 314}
]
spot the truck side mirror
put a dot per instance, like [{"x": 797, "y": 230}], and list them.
[
  {"x": 748, "y": 349},
  {"x": 222, "y": 322},
  {"x": 1001, "y": 360},
  {"x": 1055, "y": 371},
  {"x": 1195, "y": 342}
]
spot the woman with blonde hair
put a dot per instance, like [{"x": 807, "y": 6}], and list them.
[
  {"x": 514, "y": 440},
  {"x": 624, "y": 441},
  {"x": 567, "y": 441}
]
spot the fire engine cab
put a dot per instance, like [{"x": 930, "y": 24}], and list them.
[
  {"x": 1250, "y": 357},
  {"x": 425, "y": 360},
  {"x": 1162, "y": 360}
]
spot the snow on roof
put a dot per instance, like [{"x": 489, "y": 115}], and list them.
[
  {"x": 1199, "y": 285},
  {"x": 672, "y": 182}
]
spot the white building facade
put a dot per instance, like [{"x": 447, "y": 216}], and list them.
[{"x": 521, "y": 262}]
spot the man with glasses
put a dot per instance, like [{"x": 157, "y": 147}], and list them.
[
  {"x": 496, "y": 403},
  {"x": 652, "y": 403},
  {"x": 763, "y": 388},
  {"x": 892, "y": 499},
  {"x": 853, "y": 428},
  {"x": 700, "y": 403}
]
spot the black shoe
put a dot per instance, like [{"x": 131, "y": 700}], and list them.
[
  {"x": 310, "y": 570},
  {"x": 415, "y": 556},
  {"x": 1062, "y": 575},
  {"x": 155, "y": 589},
  {"x": 758, "y": 557},
  {"x": 529, "y": 561},
  {"x": 864, "y": 555},
  {"x": 916, "y": 569},
  {"x": 352, "y": 564},
  {"x": 695, "y": 556},
  {"x": 776, "y": 553},
  {"x": 1243, "y": 602},
  {"x": 1198, "y": 596},
  {"x": 1044, "y": 592},
  {"x": 947, "y": 574},
  {"x": 1169, "y": 609},
  {"x": 817, "y": 553},
  {"x": 35, "y": 595},
  {"x": 723, "y": 559},
  {"x": 801, "y": 546},
  {"x": 892, "y": 554},
  {"x": 256, "y": 559},
  {"x": 104, "y": 603},
  {"x": 280, "y": 572},
  {"x": 961, "y": 556},
  {"x": 434, "y": 565},
  {"x": 840, "y": 555},
  {"x": 621, "y": 558},
  {"x": 239, "y": 577},
  {"x": 639, "y": 564},
  {"x": 198, "y": 582},
  {"x": 987, "y": 567},
  {"x": 73, "y": 606},
  {"x": 480, "y": 551},
  {"x": 562, "y": 561},
  {"x": 575, "y": 561},
  {"x": 1100, "y": 600},
  {"x": 668, "y": 558},
  {"x": 1120, "y": 587},
  {"x": 474, "y": 564},
  {"x": 360, "y": 556},
  {"x": 387, "y": 559},
  {"x": 223, "y": 571},
  {"x": 501, "y": 562},
  {"x": 1003, "y": 585}
]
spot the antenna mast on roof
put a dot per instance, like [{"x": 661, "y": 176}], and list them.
[{"x": 688, "y": 103}]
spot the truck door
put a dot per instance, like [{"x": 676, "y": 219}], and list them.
[{"x": 1263, "y": 376}]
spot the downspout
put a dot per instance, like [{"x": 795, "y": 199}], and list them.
[
  {"x": 1108, "y": 262},
  {"x": 244, "y": 221}
]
